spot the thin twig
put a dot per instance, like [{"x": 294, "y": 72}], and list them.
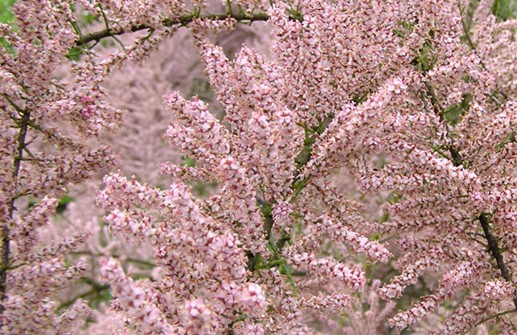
[
  {"x": 493, "y": 317},
  {"x": 180, "y": 20},
  {"x": 126, "y": 259},
  {"x": 494, "y": 249},
  {"x": 5, "y": 230}
]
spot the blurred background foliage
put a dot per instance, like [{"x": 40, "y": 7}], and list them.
[{"x": 6, "y": 16}]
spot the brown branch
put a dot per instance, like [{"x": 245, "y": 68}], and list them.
[
  {"x": 456, "y": 158},
  {"x": 493, "y": 317},
  {"x": 180, "y": 20},
  {"x": 492, "y": 246},
  {"x": 494, "y": 249},
  {"x": 470, "y": 43},
  {"x": 5, "y": 230},
  {"x": 125, "y": 259}
]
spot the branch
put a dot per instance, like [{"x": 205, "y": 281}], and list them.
[
  {"x": 305, "y": 155},
  {"x": 493, "y": 247},
  {"x": 169, "y": 22},
  {"x": 470, "y": 43},
  {"x": 472, "y": 46},
  {"x": 456, "y": 158},
  {"x": 122, "y": 259},
  {"x": 96, "y": 291},
  {"x": 4, "y": 230},
  {"x": 494, "y": 316}
]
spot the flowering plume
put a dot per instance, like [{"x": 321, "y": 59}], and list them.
[
  {"x": 46, "y": 124},
  {"x": 411, "y": 101},
  {"x": 257, "y": 231},
  {"x": 417, "y": 96}
]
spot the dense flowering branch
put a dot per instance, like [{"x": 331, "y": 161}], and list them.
[
  {"x": 46, "y": 123},
  {"x": 383, "y": 96},
  {"x": 5, "y": 230},
  {"x": 370, "y": 106}
]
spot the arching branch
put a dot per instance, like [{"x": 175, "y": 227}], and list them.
[{"x": 180, "y": 20}]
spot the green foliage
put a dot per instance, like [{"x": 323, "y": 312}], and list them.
[
  {"x": 103, "y": 239},
  {"x": 198, "y": 189},
  {"x": 283, "y": 267},
  {"x": 425, "y": 60},
  {"x": 504, "y": 9},
  {"x": 202, "y": 89},
  {"x": 468, "y": 19},
  {"x": 394, "y": 198},
  {"x": 63, "y": 203},
  {"x": 360, "y": 98},
  {"x": 405, "y": 29},
  {"x": 7, "y": 46},
  {"x": 203, "y": 189},
  {"x": 189, "y": 161},
  {"x": 266, "y": 208},
  {"x": 89, "y": 18},
  {"x": 6, "y": 15},
  {"x": 309, "y": 140},
  {"x": 96, "y": 295},
  {"x": 75, "y": 53},
  {"x": 384, "y": 217},
  {"x": 103, "y": 296},
  {"x": 298, "y": 187},
  {"x": 454, "y": 112},
  {"x": 510, "y": 138},
  {"x": 84, "y": 20},
  {"x": 31, "y": 203},
  {"x": 295, "y": 13}
]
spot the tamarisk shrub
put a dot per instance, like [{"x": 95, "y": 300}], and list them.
[
  {"x": 138, "y": 88},
  {"x": 223, "y": 285},
  {"x": 257, "y": 168},
  {"x": 414, "y": 100},
  {"x": 48, "y": 130},
  {"x": 347, "y": 84}
]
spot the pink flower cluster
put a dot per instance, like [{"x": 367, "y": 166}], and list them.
[
  {"x": 335, "y": 97},
  {"x": 371, "y": 155}
]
